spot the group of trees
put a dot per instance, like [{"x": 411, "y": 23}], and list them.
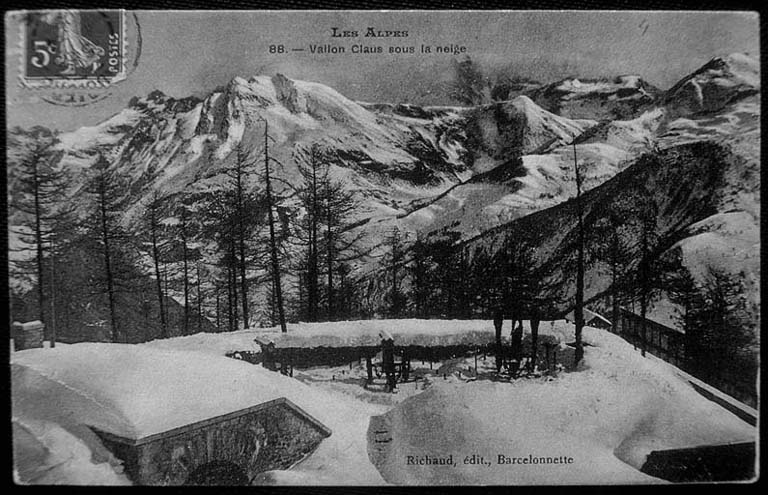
[
  {"x": 721, "y": 335},
  {"x": 227, "y": 246},
  {"x": 324, "y": 238},
  {"x": 86, "y": 268}
]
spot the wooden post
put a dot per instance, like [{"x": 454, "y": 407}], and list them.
[
  {"x": 369, "y": 368},
  {"x": 554, "y": 360},
  {"x": 405, "y": 365}
]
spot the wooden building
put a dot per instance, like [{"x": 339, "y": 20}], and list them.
[{"x": 660, "y": 340}]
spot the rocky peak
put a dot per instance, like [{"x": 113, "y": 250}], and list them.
[
  {"x": 286, "y": 93},
  {"x": 719, "y": 82}
]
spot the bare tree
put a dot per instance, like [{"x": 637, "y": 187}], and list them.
[
  {"x": 273, "y": 244},
  {"x": 107, "y": 186},
  {"x": 152, "y": 220},
  {"x": 309, "y": 195}
]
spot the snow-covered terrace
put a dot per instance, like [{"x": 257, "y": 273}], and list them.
[{"x": 405, "y": 332}]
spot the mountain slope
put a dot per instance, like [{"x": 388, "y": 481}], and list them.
[{"x": 706, "y": 196}]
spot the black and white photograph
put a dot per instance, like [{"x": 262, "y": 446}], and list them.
[{"x": 370, "y": 248}]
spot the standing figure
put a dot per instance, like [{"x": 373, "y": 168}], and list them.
[
  {"x": 517, "y": 346},
  {"x": 73, "y": 49},
  {"x": 388, "y": 362},
  {"x": 498, "y": 321}
]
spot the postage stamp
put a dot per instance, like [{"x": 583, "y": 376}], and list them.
[
  {"x": 73, "y": 49},
  {"x": 72, "y": 57}
]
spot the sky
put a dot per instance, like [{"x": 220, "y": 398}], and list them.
[{"x": 191, "y": 53}]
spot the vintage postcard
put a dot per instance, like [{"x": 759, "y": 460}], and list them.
[{"x": 383, "y": 247}]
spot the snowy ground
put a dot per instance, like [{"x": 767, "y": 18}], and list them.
[{"x": 607, "y": 416}]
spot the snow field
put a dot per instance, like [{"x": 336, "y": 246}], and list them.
[{"x": 607, "y": 416}]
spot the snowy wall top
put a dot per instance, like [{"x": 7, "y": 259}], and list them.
[
  {"x": 135, "y": 391},
  {"x": 403, "y": 332}
]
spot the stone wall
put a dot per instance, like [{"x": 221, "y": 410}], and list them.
[
  {"x": 274, "y": 437},
  {"x": 27, "y": 335}
]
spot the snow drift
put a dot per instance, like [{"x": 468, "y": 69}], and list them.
[{"x": 607, "y": 417}]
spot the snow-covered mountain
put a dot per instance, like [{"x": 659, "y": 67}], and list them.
[
  {"x": 470, "y": 170},
  {"x": 176, "y": 146},
  {"x": 720, "y": 82},
  {"x": 623, "y": 97}
]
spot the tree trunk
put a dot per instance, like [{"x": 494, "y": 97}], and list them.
[
  {"x": 116, "y": 337},
  {"x": 313, "y": 269},
  {"x": 52, "y": 332},
  {"x": 156, "y": 259},
  {"x": 186, "y": 271},
  {"x": 272, "y": 240},
  {"x": 329, "y": 268},
  {"x": 165, "y": 292},
  {"x": 218, "y": 309},
  {"x": 230, "y": 301},
  {"x": 199, "y": 301},
  {"x": 578, "y": 312},
  {"x": 241, "y": 241},
  {"x": 329, "y": 250},
  {"x": 233, "y": 285},
  {"x": 534, "y": 344},
  {"x": 644, "y": 290},
  {"x": 614, "y": 284},
  {"x": 39, "y": 247}
]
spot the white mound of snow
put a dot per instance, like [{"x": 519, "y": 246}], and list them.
[{"x": 607, "y": 418}]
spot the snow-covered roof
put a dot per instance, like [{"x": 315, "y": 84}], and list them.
[
  {"x": 136, "y": 391},
  {"x": 211, "y": 343},
  {"x": 404, "y": 332}
]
